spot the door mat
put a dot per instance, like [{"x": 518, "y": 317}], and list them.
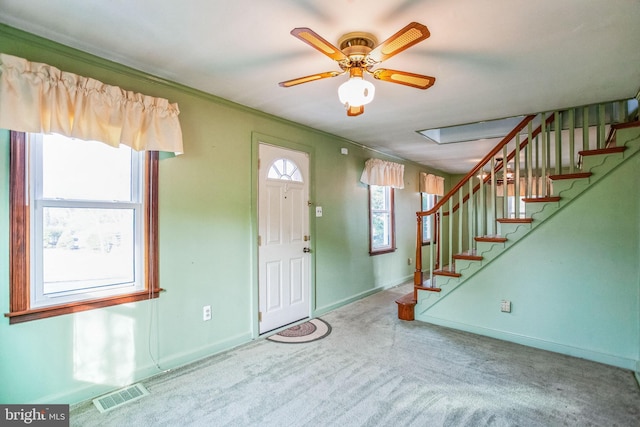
[{"x": 312, "y": 330}]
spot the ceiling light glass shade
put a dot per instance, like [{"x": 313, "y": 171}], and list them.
[{"x": 356, "y": 92}]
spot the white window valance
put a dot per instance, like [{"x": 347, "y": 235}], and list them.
[
  {"x": 39, "y": 98},
  {"x": 383, "y": 173},
  {"x": 431, "y": 184}
]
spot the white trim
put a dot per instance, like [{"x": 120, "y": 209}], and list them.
[{"x": 608, "y": 359}]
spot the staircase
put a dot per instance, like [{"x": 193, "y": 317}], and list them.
[{"x": 544, "y": 163}]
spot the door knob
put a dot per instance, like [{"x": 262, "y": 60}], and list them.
[{"x": 306, "y": 250}]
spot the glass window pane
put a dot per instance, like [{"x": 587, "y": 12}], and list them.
[
  {"x": 85, "y": 248},
  {"x": 284, "y": 169},
  {"x": 380, "y": 229},
  {"x": 426, "y": 229},
  {"x": 428, "y": 202},
  {"x": 378, "y": 198},
  {"x": 85, "y": 170}
]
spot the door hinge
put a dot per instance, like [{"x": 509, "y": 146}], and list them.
[
  {"x": 259, "y": 240},
  {"x": 259, "y": 316}
]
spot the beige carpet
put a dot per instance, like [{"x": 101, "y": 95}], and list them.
[{"x": 376, "y": 370}]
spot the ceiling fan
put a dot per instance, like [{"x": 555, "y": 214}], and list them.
[{"x": 358, "y": 54}]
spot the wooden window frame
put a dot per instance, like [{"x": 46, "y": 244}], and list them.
[
  {"x": 392, "y": 228},
  {"x": 19, "y": 250}
]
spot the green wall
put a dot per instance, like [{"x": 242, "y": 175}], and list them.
[
  {"x": 574, "y": 282},
  {"x": 207, "y": 245}
]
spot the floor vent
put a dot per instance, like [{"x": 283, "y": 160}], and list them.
[{"x": 120, "y": 397}]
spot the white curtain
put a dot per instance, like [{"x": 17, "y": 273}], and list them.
[
  {"x": 39, "y": 98},
  {"x": 383, "y": 173},
  {"x": 431, "y": 184}
]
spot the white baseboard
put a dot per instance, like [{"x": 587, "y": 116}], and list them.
[
  {"x": 83, "y": 394},
  {"x": 607, "y": 359},
  {"x": 327, "y": 308}
]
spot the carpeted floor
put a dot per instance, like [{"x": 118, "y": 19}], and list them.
[{"x": 376, "y": 370}]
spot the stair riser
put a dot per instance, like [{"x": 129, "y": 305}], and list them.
[
  {"x": 513, "y": 231},
  {"x": 532, "y": 209},
  {"x": 590, "y": 162},
  {"x": 569, "y": 188},
  {"x": 542, "y": 211}
]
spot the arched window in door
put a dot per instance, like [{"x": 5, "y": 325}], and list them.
[{"x": 284, "y": 169}]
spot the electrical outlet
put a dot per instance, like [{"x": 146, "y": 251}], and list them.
[
  {"x": 206, "y": 312},
  {"x": 409, "y": 261},
  {"x": 505, "y": 306},
  {"x": 318, "y": 211}
]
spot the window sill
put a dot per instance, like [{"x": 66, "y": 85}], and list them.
[
  {"x": 382, "y": 251},
  {"x": 76, "y": 307}
]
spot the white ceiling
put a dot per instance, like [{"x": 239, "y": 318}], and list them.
[{"x": 491, "y": 58}]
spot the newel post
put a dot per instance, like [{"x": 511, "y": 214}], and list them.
[{"x": 417, "y": 276}]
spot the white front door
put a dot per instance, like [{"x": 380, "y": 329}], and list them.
[{"x": 283, "y": 253}]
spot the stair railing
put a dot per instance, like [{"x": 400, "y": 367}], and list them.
[{"x": 521, "y": 167}]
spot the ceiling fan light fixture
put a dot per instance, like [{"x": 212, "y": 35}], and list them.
[
  {"x": 359, "y": 52},
  {"x": 356, "y": 92}
]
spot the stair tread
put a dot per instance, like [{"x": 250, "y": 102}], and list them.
[
  {"x": 407, "y": 299},
  {"x": 610, "y": 150},
  {"x": 427, "y": 288},
  {"x": 406, "y": 306},
  {"x": 515, "y": 220},
  {"x": 626, "y": 125},
  {"x": 447, "y": 270},
  {"x": 570, "y": 176},
  {"x": 494, "y": 238},
  {"x": 541, "y": 199},
  {"x": 468, "y": 255}
]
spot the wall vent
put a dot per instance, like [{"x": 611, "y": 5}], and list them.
[{"x": 120, "y": 397}]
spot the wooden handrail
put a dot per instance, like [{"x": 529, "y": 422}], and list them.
[
  {"x": 418, "y": 278},
  {"x": 499, "y": 166},
  {"x": 478, "y": 167},
  {"x": 484, "y": 219}
]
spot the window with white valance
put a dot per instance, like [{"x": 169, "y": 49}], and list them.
[
  {"x": 383, "y": 173},
  {"x": 69, "y": 192},
  {"x": 431, "y": 184},
  {"x": 39, "y": 98}
]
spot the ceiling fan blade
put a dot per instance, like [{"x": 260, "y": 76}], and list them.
[
  {"x": 310, "y": 78},
  {"x": 314, "y": 40},
  {"x": 403, "y": 39},
  {"x": 404, "y": 78},
  {"x": 355, "y": 111}
]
